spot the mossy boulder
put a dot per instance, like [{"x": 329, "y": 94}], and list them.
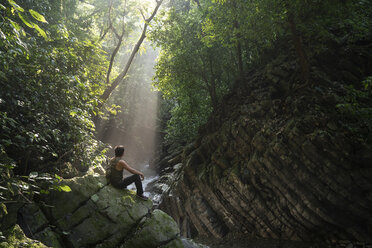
[
  {"x": 82, "y": 188},
  {"x": 95, "y": 214},
  {"x": 15, "y": 237},
  {"x": 159, "y": 228}
]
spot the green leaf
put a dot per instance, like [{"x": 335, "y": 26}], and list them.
[
  {"x": 64, "y": 188},
  {"x": 41, "y": 32},
  {"x": 2, "y": 35},
  {"x": 25, "y": 20},
  {"x": 37, "y": 16},
  {"x": 44, "y": 191},
  {"x": 3, "y": 208},
  {"x": 14, "y": 24},
  {"x": 7, "y": 142},
  {"x": 16, "y": 6},
  {"x": 3, "y": 188},
  {"x": 33, "y": 174}
]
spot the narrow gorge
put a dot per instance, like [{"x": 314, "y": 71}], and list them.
[{"x": 247, "y": 123}]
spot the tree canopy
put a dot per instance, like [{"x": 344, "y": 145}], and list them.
[
  {"x": 58, "y": 58},
  {"x": 209, "y": 44}
]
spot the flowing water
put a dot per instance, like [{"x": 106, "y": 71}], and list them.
[{"x": 150, "y": 178}]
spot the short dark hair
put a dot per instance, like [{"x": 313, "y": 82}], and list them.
[{"x": 119, "y": 150}]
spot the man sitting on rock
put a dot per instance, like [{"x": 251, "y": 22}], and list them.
[{"x": 117, "y": 165}]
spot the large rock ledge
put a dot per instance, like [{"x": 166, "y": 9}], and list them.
[{"x": 95, "y": 214}]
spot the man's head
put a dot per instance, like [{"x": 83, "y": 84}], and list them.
[{"x": 119, "y": 151}]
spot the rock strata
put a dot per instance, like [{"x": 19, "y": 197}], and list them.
[{"x": 279, "y": 159}]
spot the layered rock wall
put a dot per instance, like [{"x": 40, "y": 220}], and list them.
[{"x": 279, "y": 159}]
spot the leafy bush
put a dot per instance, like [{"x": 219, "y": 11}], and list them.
[
  {"x": 50, "y": 88},
  {"x": 15, "y": 188}
]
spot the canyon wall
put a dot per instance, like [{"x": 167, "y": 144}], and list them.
[{"x": 281, "y": 158}]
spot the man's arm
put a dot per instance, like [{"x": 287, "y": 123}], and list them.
[{"x": 124, "y": 165}]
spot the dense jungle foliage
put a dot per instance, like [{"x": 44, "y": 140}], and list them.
[
  {"x": 57, "y": 59},
  {"x": 60, "y": 61},
  {"x": 208, "y": 44},
  {"x": 47, "y": 90}
]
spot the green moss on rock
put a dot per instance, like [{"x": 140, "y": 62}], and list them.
[
  {"x": 156, "y": 230},
  {"x": 15, "y": 238}
]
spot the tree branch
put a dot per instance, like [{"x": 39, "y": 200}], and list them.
[
  {"x": 104, "y": 34},
  {"x": 121, "y": 76},
  {"x": 143, "y": 15},
  {"x": 113, "y": 58},
  {"x": 110, "y": 22},
  {"x": 120, "y": 40}
]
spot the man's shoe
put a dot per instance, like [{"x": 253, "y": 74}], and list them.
[{"x": 143, "y": 197}]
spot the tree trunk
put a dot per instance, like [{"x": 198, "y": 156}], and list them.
[
  {"x": 240, "y": 57},
  {"x": 212, "y": 85},
  {"x": 239, "y": 52},
  {"x": 106, "y": 94},
  {"x": 297, "y": 41}
]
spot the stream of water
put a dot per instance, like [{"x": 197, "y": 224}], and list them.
[{"x": 150, "y": 177}]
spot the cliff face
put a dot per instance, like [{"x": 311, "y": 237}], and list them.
[{"x": 279, "y": 159}]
